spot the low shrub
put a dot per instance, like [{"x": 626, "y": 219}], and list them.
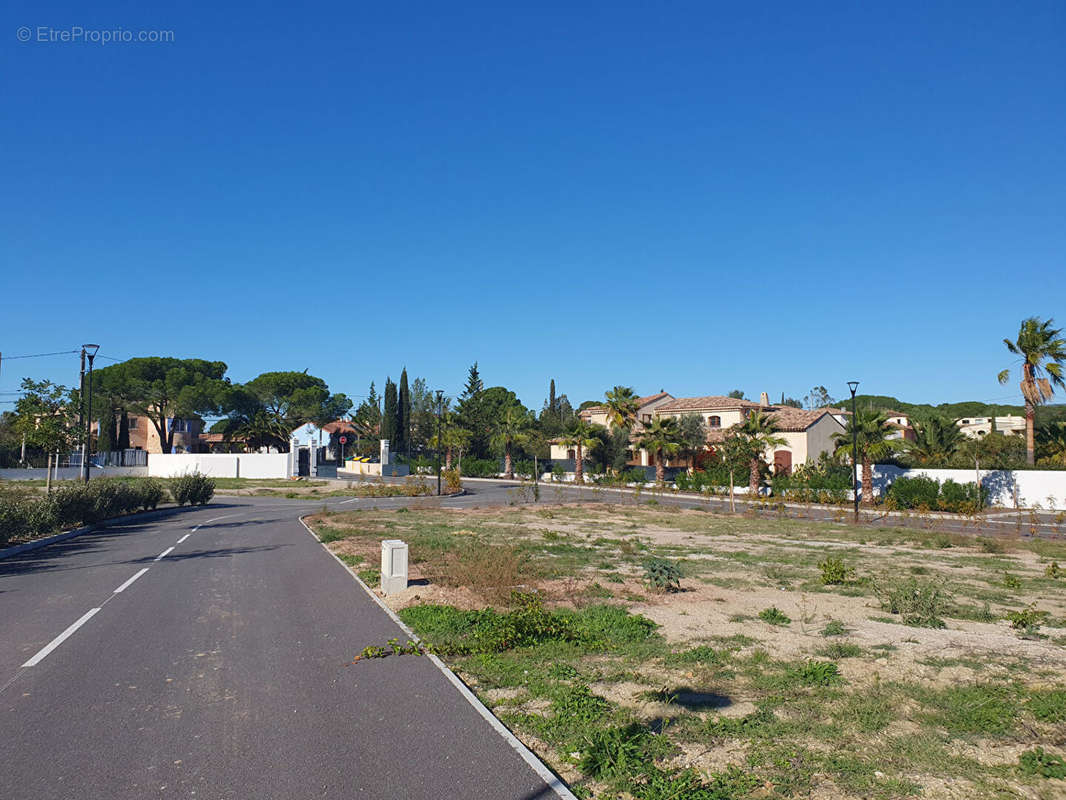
[
  {"x": 927, "y": 494},
  {"x": 481, "y": 467},
  {"x": 194, "y": 489},
  {"x": 918, "y": 492},
  {"x": 662, "y": 575},
  {"x": 835, "y": 571},
  {"x": 452, "y": 481},
  {"x": 918, "y": 603},
  {"x": 1028, "y": 621}
]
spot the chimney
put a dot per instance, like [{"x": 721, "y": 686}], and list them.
[{"x": 764, "y": 400}]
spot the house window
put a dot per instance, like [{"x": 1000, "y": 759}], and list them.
[
  {"x": 714, "y": 422},
  {"x": 645, "y": 417},
  {"x": 133, "y": 423},
  {"x": 572, "y": 455}
]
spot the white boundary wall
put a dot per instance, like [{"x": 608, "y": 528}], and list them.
[
  {"x": 219, "y": 465},
  {"x": 1023, "y": 488}
]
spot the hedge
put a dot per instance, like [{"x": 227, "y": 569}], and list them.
[
  {"x": 927, "y": 494},
  {"x": 26, "y": 514}
]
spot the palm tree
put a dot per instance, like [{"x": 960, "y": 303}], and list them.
[
  {"x": 453, "y": 439},
  {"x": 1052, "y": 441},
  {"x": 622, "y": 406},
  {"x": 758, "y": 431},
  {"x": 511, "y": 429},
  {"x": 1043, "y": 350},
  {"x": 936, "y": 440},
  {"x": 869, "y": 428},
  {"x": 581, "y": 436},
  {"x": 661, "y": 437}
]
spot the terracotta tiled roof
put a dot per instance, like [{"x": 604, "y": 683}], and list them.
[
  {"x": 340, "y": 426},
  {"x": 641, "y": 402},
  {"x": 705, "y": 403},
  {"x": 218, "y": 438},
  {"x": 834, "y": 410},
  {"x": 795, "y": 419},
  {"x": 651, "y": 398}
]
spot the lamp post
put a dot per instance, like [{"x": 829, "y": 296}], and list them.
[
  {"x": 440, "y": 413},
  {"x": 82, "y": 468},
  {"x": 853, "y": 385},
  {"x": 90, "y": 351}
]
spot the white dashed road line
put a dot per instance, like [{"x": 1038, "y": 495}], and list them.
[
  {"x": 126, "y": 585},
  {"x": 164, "y": 554},
  {"x": 52, "y": 645},
  {"x": 183, "y": 538}
]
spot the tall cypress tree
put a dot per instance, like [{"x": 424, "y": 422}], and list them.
[
  {"x": 403, "y": 416},
  {"x": 108, "y": 433},
  {"x": 553, "y": 404},
  {"x": 124, "y": 430},
  {"x": 388, "y": 418}
]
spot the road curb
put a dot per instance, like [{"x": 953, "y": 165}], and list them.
[
  {"x": 527, "y": 755},
  {"x": 36, "y": 544}
]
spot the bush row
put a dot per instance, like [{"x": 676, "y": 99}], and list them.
[
  {"x": 481, "y": 467},
  {"x": 928, "y": 494},
  {"x": 26, "y": 514}
]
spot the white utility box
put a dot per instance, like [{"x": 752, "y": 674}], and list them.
[{"x": 393, "y": 566}]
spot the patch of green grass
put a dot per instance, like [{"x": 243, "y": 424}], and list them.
[
  {"x": 350, "y": 559},
  {"x": 834, "y": 628},
  {"x": 371, "y": 576},
  {"x": 839, "y": 650},
  {"x": 702, "y": 654},
  {"x": 987, "y": 709},
  {"x": 1043, "y": 764},
  {"x": 1048, "y": 705},
  {"x": 774, "y": 616}
]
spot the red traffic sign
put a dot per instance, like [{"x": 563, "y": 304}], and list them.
[{"x": 344, "y": 440}]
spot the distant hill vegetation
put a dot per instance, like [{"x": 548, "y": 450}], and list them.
[{"x": 970, "y": 408}]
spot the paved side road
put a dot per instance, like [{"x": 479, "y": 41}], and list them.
[{"x": 213, "y": 660}]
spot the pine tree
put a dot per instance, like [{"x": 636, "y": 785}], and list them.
[
  {"x": 474, "y": 385},
  {"x": 388, "y": 418},
  {"x": 403, "y": 416}
]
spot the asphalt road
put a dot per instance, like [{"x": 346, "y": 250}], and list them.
[
  {"x": 224, "y": 671},
  {"x": 208, "y": 654}
]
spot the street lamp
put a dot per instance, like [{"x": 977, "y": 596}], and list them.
[
  {"x": 90, "y": 351},
  {"x": 853, "y": 385},
  {"x": 440, "y": 413}
]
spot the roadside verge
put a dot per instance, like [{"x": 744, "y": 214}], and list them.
[{"x": 550, "y": 778}]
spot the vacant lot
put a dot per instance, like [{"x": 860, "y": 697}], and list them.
[{"x": 797, "y": 659}]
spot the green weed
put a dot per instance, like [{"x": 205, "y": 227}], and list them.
[{"x": 774, "y": 616}]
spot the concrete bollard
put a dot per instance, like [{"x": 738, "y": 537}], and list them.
[{"x": 393, "y": 566}]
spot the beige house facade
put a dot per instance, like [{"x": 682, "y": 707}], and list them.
[
  {"x": 807, "y": 433},
  {"x": 974, "y": 427}
]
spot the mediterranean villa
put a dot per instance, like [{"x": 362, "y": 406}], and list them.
[{"x": 807, "y": 434}]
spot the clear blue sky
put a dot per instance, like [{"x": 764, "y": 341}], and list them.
[{"x": 695, "y": 197}]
